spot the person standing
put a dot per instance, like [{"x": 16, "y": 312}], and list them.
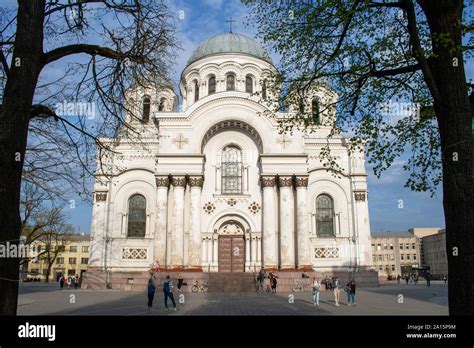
[
  {"x": 337, "y": 291},
  {"x": 273, "y": 283},
  {"x": 168, "y": 292},
  {"x": 151, "y": 293},
  {"x": 61, "y": 282},
  {"x": 69, "y": 282},
  {"x": 407, "y": 278},
  {"x": 398, "y": 279},
  {"x": 445, "y": 279},
  {"x": 316, "y": 288},
  {"x": 76, "y": 281},
  {"x": 351, "y": 291},
  {"x": 261, "y": 279}
]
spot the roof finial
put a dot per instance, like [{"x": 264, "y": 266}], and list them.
[{"x": 230, "y": 22}]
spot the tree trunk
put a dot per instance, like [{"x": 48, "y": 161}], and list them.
[
  {"x": 454, "y": 115},
  {"x": 15, "y": 114}
]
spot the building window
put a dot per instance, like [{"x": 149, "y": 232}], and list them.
[
  {"x": 136, "y": 216},
  {"x": 248, "y": 84},
  {"x": 380, "y": 258},
  {"x": 85, "y": 249},
  {"x": 315, "y": 111},
  {"x": 196, "y": 91},
  {"x": 379, "y": 247},
  {"x": 408, "y": 256},
  {"x": 212, "y": 85},
  {"x": 373, "y": 247},
  {"x": 231, "y": 170},
  {"x": 73, "y": 248},
  {"x": 72, "y": 260},
  {"x": 84, "y": 261},
  {"x": 61, "y": 248},
  {"x": 380, "y": 268},
  {"x": 413, "y": 246},
  {"x": 264, "y": 89},
  {"x": 401, "y": 246},
  {"x": 392, "y": 257},
  {"x": 414, "y": 256},
  {"x": 385, "y": 246},
  {"x": 407, "y": 246},
  {"x": 230, "y": 82},
  {"x": 146, "y": 109},
  {"x": 324, "y": 216},
  {"x": 374, "y": 258},
  {"x": 393, "y": 268},
  {"x": 402, "y": 257},
  {"x": 161, "y": 105},
  {"x": 391, "y": 246},
  {"x": 60, "y": 260}
]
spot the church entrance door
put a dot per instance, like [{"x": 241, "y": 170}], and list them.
[{"x": 231, "y": 253}]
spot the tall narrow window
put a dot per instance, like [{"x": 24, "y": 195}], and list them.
[
  {"x": 231, "y": 170},
  {"x": 196, "y": 91},
  {"x": 249, "y": 84},
  {"x": 230, "y": 82},
  {"x": 136, "y": 216},
  {"x": 161, "y": 106},
  {"x": 212, "y": 85},
  {"x": 264, "y": 89},
  {"x": 146, "y": 109},
  {"x": 324, "y": 216},
  {"x": 315, "y": 111}
]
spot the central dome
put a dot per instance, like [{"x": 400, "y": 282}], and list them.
[{"x": 230, "y": 43}]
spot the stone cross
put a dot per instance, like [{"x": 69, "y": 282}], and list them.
[
  {"x": 230, "y": 22},
  {"x": 180, "y": 141},
  {"x": 284, "y": 140}
]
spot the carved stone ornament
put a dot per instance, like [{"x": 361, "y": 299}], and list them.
[
  {"x": 254, "y": 208},
  {"x": 268, "y": 181},
  {"x": 178, "y": 181},
  {"x": 101, "y": 196},
  {"x": 231, "y": 202},
  {"x": 301, "y": 181},
  {"x": 196, "y": 181},
  {"x": 162, "y": 181},
  {"x": 285, "y": 181},
  {"x": 209, "y": 208},
  {"x": 359, "y": 196}
]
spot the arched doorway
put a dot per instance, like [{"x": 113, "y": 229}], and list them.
[{"x": 231, "y": 247}]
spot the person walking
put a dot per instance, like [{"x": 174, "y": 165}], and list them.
[
  {"x": 445, "y": 279},
  {"x": 273, "y": 283},
  {"x": 407, "y": 278},
  {"x": 261, "y": 279},
  {"x": 337, "y": 291},
  {"x": 168, "y": 292},
  {"x": 398, "y": 279},
  {"x": 61, "y": 282},
  {"x": 69, "y": 282},
  {"x": 151, "y": 293},
  {"x": 351, "y": 291},
  {"x": 316, "y": 289},
  {"x": 76, "y": 281}
]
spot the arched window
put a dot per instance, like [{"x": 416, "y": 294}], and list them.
[
  {"x": 161, "y": 106},
  {"x": 231, "y": 170},
  {"x": 196, "y": 91},
  {"x": 264, "y": 89},
  {"x": 230, "y": 82},
  {"x": 146, "y": 109},
  {"x": 324, "y": 216},
  {"x": 249, "y": 84},
  {"x": 136, "y": 216},
  {"x": 212, "y": 85},
  {"x": 315, "y": 111},
  {"x": 301, "y": 106}
]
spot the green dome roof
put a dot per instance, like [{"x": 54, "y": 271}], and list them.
[{"x": 229, "y": 43}]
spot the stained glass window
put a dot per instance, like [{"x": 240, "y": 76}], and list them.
[
  {"x": 136, "y": 216},
  {"x": 324, "y": 216},
  {"x": 231, "y": 170}
]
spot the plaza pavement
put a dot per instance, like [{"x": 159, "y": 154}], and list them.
[{"x": 48, "y": 299}]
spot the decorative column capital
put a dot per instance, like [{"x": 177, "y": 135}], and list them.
[
  {"x": 301, "y": 181},
  {"x": 100, "y": 196},
  {"x": 196, "y": 181},
  {"x": 359, "y": 195},
  {"x": 285, "y": 181},
  {"x": 178, "y": 181},
  {"x": 162, "y": 181},
  {"x": 268, "y": 181}
]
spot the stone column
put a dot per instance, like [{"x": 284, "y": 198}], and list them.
[
  {"x": 247, "y": 251},
  {"x": 194, "y": 245},
  {"x": 270, "y": 260},
  {"x": 162, "y": 184},
  {"x": 259, "y": 250},
  {"x": 177, "y": 233},
  {"x": 215, "y": 251},
  {"x": 302, "y": 223},
  {"x": 287, "y": 235},
  {"x": 209, "y": 252}
]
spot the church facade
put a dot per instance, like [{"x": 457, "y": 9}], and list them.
[{"x": 216, "y": 188}]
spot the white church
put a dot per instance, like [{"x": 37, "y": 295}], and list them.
[{"x": 216, "y": 188}]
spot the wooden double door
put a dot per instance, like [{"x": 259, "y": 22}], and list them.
[{"x": 231, "y": 253}]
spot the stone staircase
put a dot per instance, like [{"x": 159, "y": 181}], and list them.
[{"x": 231, "y": 282}]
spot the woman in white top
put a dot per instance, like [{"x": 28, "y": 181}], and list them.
[{"x": 316, "y": 288}]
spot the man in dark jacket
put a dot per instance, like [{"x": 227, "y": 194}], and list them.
[
  {"x": 168, "y": 292},
  {"x": 151, "y": 293}
]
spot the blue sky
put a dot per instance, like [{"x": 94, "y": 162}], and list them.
[{"x": 204, "y": 18}]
